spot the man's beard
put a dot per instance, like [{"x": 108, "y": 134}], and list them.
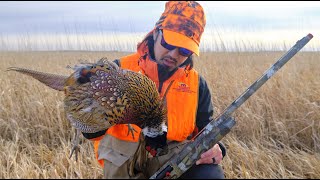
[{"x": 164, "y": 72}]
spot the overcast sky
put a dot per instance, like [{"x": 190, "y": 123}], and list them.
[
  {"x": 32, "y": 17},
  {"x": 140, "y": 16}
]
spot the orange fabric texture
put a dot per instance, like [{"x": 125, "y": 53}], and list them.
[
  {"x": 120, "y": 131},
  {"x": 183, "y": 20},
  {"x": 131, "y": 62},
  {"x": 182, "y": 101}
]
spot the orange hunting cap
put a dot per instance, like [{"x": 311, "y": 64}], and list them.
[{"x": 183, "y": 23}]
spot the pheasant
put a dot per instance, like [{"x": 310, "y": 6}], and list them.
[{"x": 100, "y": 95}]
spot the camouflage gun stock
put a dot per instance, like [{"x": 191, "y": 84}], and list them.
[{"x": 219, "y": 127}]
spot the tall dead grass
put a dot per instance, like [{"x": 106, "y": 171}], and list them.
[{"x": 277, "y": 133}]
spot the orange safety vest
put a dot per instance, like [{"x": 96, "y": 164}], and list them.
[{"x": 182, "y": 104}]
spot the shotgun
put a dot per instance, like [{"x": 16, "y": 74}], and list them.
[{"x": 215, "y": 130}]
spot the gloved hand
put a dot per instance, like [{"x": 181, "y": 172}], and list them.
[{"x": 157, "y": 146}]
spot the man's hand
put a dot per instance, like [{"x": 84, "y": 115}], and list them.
[{"x": 213, "y": 155}]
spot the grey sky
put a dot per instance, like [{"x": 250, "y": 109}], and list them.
[
  {"x": 49, "y": 16},
  {"x": 41, "y": 24},
  {"x": 140, "y": 16}
]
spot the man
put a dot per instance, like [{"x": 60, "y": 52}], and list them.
[{"x": 165, "y": 55}]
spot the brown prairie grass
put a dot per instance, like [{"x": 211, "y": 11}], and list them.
[{"x": 277, "y": 134}]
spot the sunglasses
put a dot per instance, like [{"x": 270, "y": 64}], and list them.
[{"x": 182, "y": 51}]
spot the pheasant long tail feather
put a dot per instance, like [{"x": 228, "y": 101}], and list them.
[{"x": 52, "y": 80}]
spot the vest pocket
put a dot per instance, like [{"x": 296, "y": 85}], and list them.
[{"x": 116, "y": 151}]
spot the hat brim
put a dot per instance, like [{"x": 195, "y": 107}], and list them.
[{"x": 180, "y": 40}]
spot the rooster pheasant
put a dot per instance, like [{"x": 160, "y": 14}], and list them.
[{"x": 100, "y": 95}]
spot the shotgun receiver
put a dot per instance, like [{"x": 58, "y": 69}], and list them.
[{"x": 219, "y": 127}]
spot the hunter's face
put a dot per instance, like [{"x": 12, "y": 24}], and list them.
[{"x": 169, "y": 58}]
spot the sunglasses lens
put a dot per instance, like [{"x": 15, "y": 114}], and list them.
[
  {"x": 182, "y": 51},
  {"x": 185, "y": 52},
  {"x": 166, "y": 45}
]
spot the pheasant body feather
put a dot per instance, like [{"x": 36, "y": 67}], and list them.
[{"x": 100, "y": 95}]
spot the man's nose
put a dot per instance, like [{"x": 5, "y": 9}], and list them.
[{"x": 174, "y": 53}]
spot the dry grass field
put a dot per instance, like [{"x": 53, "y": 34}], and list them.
[{"x": 277, "y": 134}]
